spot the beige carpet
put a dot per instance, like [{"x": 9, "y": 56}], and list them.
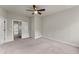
[{"x": 39, "y": 46}]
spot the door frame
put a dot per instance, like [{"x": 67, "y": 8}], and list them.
[{"x": 13, "y": 27}]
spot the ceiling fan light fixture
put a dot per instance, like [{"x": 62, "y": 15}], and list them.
[{"x": 35, "y": 12}]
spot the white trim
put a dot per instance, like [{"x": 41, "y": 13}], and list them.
[
  {"x": 69, "y": 43},
  {"x": 12, "y": 30}
]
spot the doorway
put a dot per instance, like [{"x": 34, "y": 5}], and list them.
[{"x": 17, "y": 25}]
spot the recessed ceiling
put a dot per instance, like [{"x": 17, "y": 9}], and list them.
[{"x": 21, "y": 9}]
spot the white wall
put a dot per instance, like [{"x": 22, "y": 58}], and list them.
[
  {"x": 25, "y": 30},
  {"x": 31, "y": 27},
  {"x": 9, "y": 17},
  {"x": 3, "y": 14},
  {"x": 9, "y": 30},
  {"x": 36, "y": 26},
  {"x": 2, "y": 30},
  {"x": 63, "y": 26},
  {"x": 12, "y": 18}
]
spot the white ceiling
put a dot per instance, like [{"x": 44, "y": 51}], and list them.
[{"x": 21, "y": 9}]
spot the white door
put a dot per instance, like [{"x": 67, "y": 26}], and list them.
[
  {"x": 2, "y": 31},
  {"x": 25, "y": 32}
]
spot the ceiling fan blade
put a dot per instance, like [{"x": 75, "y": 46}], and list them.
[
  {"x": 39, "y": 13},
  {"x": 41, "y": 10},
  {"x": 29, "y": 10},
  {"x": 32, "y": 13}
]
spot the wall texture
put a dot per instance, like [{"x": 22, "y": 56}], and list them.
[{"x": 63, "y": 26}]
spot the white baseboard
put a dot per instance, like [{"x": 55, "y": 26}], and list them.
[{"x": 69, "y": 43}]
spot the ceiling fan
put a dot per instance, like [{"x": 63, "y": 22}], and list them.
[{"x": 36, "y": 10}]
